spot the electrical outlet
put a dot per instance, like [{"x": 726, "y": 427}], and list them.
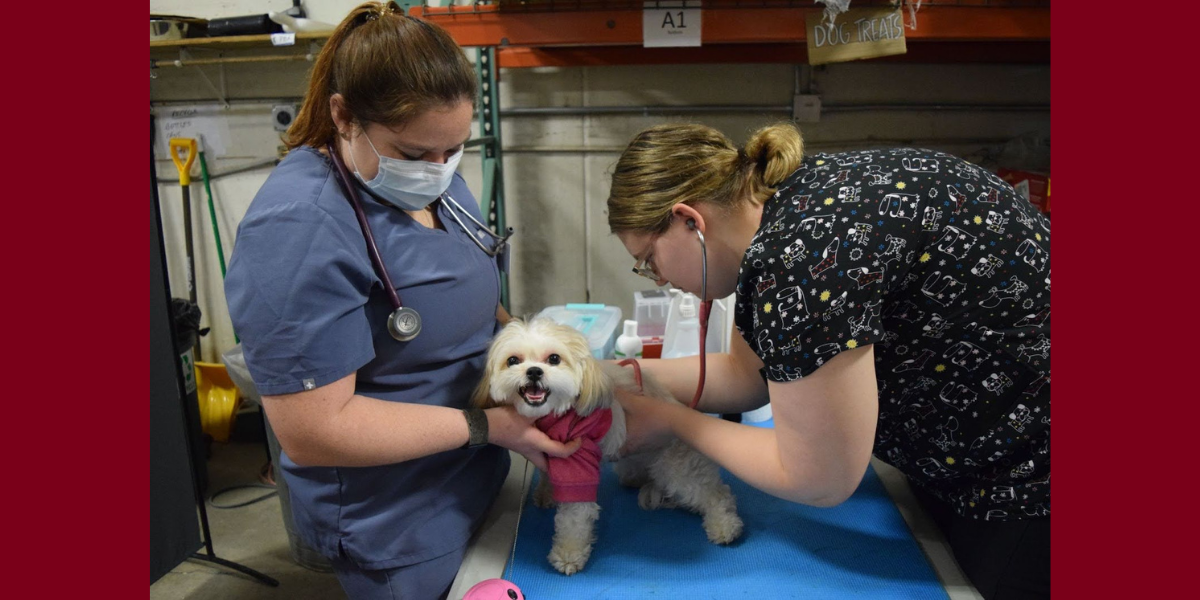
[
  {"x": 282, "y": 116},
  {"x": 806, "y": 108}
]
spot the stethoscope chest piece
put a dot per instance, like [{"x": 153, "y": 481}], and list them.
[{"x": 404, "y": 324}]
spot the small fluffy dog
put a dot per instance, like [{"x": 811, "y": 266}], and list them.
[{"x": 547, "y": 372}]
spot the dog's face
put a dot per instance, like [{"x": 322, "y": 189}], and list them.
[{"x": 541, "y": 367}]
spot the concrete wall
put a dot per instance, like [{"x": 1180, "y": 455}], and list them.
[{"x": 557, "y": 167}]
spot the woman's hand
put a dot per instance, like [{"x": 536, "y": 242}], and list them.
[
  {"x": 647, "y": 421},
  {"x": 509, "y": 429}
]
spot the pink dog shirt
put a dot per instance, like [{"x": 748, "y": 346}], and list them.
[{"x": 576, "y": 477}]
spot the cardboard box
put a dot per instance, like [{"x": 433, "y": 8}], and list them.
[{"x": 1035, "y": 187}]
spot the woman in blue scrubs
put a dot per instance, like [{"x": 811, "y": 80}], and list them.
[{"x": 389, "y": 475}]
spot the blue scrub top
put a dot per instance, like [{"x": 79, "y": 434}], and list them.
[{"x": 310, "y": 310}]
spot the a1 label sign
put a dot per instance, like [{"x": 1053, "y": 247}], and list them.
[{"x": 671, "y": 23}]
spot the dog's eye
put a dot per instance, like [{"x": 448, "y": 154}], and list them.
[
  {"x": 554, "y": 359},
  {"x": 513, "y": 361}
]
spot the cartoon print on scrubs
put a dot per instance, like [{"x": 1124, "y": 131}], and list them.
[{"x": 946, "y": 270}]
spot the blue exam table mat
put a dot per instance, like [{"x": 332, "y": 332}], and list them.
[{"x": 861, "y": 548}]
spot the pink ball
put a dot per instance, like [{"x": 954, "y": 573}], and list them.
[{"x": 494, "y": 589}]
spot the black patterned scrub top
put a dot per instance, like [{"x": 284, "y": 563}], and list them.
[{"x": 946, "y": 270}]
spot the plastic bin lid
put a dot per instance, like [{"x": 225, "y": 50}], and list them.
[
  {"x": 654, "y": 296},
  {"x": 597, "y": 322}
]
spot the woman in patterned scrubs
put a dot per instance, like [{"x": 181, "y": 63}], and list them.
[{"x": 891, "y": 302}]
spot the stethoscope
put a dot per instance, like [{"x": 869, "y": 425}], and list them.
[
  {"x": 705, "y": 310},
  {"x": 405, "y": 322}
]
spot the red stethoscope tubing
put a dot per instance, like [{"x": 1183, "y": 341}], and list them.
[
  {"x": 705, "y": 307},
  {"x": 372, "y": 250}
]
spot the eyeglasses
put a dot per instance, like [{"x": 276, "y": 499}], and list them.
[
  {"x": 643, "y": 268},
  {"x": 646, "y": 270}
]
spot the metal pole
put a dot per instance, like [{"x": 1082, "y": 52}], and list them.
[{"x": 493, "y": 153}]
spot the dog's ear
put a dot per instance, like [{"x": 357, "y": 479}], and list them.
[
  {"x": 595, "y": 387},
  {"x": 482, "y": 397}
]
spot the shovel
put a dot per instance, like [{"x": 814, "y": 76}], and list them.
[{"x": 184, "y": 165}]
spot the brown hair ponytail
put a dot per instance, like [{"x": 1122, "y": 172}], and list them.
[{"x": 388, "y": 67}]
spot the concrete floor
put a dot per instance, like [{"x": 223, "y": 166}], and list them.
[{"x": 254, "y": 536}]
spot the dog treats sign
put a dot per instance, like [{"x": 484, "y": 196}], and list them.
[{"x": 856, "y": 34}]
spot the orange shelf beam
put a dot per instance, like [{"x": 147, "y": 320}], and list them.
[
  {"x": 927, "y": 52},
  {"x": 490, "y": 26}
]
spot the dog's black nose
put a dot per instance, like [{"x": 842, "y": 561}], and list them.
[{"x": 534, "y": 372}]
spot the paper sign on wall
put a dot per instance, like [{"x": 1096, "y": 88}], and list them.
[
  {"x": 192, "y": 122},
  {"x": 856, "y": 34},
  {"x": 671, "y": 23}
]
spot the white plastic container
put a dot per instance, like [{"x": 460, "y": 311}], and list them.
[
  {"x": 597, "y": 322},
  {"x": 719, "y": 326},
  {"x": 296, "y": 24},
  {"x": 668, "y": 334},
  {"x": 629, "y": 344},
  {"x": 683, "y": 334},
  {"x": 650, "y": 309},
  {"x": 759, "y": 415},
  {"x": 720, "y": 322}
]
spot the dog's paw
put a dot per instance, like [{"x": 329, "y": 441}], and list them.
[
  {"x": 632, "y": 472},
  {"x": 543, "y": 493},
  {"x": 722, "y": 527},
  {"x": 633, "y": 480},
  {"x": 652, "y": 497},
  {"x": 569, "y": 559},
  {"x": 543, "y": 497}
]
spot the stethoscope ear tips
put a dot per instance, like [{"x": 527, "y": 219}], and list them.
[{"x": 404, "y": 324}]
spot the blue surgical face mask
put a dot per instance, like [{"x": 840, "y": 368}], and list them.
[{"x": 409, "y": 184}]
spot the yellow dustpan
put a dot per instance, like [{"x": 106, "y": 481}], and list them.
[{"x": 219, "y": 400}]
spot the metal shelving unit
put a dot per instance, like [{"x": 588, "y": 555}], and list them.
[{"x": 536, "y": 33}]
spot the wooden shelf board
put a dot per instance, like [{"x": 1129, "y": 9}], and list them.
[{"x": 234, "y": 41}]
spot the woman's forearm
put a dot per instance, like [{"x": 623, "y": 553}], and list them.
[
  {"x": 752, "y": 455},
  {"x": 369, "y": 432},
  {"x": 726, "y": 388},
  {"x": 332, "y": 426},
  {"x": 821, "y": 443}
]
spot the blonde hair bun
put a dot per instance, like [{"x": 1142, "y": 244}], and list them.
[
  {"x": 690, "y": 164},
  {"x": 776, "y": 151}
]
